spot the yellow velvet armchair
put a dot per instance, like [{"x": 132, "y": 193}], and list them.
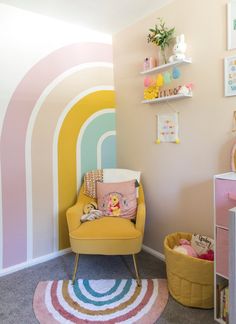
[{"x": 106, "y": 235}]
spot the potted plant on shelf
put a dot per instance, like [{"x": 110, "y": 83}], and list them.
[{"x": 161, "y": 36}]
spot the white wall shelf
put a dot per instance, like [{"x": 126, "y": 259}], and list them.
[
  {"x": 168, "y": 65},
  {"x": 167, "y": 98}
]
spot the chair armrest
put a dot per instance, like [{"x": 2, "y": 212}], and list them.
[
  {"x": 73, "y": 215},
  {"x": 140, "y": 217}
]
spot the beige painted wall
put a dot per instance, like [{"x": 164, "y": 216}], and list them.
[{"x": 177, "y": 178}]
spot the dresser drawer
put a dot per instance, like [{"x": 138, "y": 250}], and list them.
[
  {"x": 225, "y": 198},
  {"x": 222, "y": 251}
]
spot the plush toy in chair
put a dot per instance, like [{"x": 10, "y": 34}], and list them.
[
  {"x": 91, "y": 212},
  {"x": 185, "y": 248}
]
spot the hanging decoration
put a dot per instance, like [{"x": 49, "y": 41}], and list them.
[
  {"x": 176, "y": 73},
  {"x": 160, "y": 80},
  {"x": 147, "y": 82},
  {"x": 167, "y": 128},
  {"x": 167, "y": 77}
]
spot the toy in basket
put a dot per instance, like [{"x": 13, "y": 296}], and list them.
[{"x": 190, "y": 279}]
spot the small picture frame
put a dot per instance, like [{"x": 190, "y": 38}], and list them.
[
  {"x": 231, "y": 25},
  {"x": 167, "y": 128},
  {"x": 230, "y": 75}
]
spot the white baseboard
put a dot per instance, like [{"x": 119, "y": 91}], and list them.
[
  {"x": 154, "y": 252},
  {"x": 33, "y": 262},
  {"x": 54, "y": 255}
]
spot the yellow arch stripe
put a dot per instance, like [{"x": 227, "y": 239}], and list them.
[{"x": 67, "y": 191}]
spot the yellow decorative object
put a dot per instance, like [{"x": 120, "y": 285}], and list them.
[
  {"x": 151, "y": 92},
  {"x": 190, "y": 280},
  {"x": 160, "y": 80},
  {"x": 158, "y": 141},
  {"x": 177, "y": 141}
]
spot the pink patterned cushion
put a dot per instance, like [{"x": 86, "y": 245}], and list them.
[{"x": 117, "y": 199}]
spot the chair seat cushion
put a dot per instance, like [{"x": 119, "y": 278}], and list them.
[{"x": 106, "y": 228}]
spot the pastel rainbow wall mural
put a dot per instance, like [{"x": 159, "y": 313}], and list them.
[{"x": 59, "y": 123}]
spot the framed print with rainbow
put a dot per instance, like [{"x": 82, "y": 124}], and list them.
[{"x": 230, "y": 75}]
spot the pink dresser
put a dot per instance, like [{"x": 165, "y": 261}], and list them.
[
  {"x": 222, "y": 252},
  {"x": 224, "y": 200}
]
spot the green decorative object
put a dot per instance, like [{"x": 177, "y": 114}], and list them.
[
  {"x": 161, "y": 36},
  {"x": 167, "y": 77}
]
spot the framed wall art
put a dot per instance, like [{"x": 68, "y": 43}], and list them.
[
  {"x": 231, "y": 22},
  {"x": 167, "y": 128},
  {"x": 230, "y": 75}
]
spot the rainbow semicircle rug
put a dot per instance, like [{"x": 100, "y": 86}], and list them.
[{"x": 100, "y": 301}]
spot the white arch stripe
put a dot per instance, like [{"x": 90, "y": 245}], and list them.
[
  {"x": 99, "y": 146},
  {"x": 55, "y": 156},
  {"x": 80, "y": 138},
  {"x": 28, "y": 156}
]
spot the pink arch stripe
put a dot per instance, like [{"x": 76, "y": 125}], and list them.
[{"x": 14, "y": 135}]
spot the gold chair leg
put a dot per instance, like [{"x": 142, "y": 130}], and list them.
[
  {"x": 139, "y": 283},
  {"x": 75, "y": 267}
]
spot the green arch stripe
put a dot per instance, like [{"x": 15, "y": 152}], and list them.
[{"x": 100, "y": 125}]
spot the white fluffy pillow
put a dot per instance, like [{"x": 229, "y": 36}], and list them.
[{"x": 120, "y": 175}]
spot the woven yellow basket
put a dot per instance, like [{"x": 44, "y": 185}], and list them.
[{"x": 190, "y": 280}]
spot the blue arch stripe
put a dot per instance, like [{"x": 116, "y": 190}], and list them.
[
  {"x": 88, "y": 149},
  {"x": 108, "y": 153},
  {"x": 83, "y": 298}
]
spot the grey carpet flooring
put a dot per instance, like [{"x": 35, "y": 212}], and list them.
[{"x": 17, "y": 289}]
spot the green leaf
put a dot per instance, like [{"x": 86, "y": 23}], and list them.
[{"x": 160, "y": 34}]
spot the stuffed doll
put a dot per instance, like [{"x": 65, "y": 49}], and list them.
[
  {"x": 185, "y": 248},
  {"x": 209, "y": 255},
  {"x": 90, "y": 212},
  {"x": 179, "y": 49}
]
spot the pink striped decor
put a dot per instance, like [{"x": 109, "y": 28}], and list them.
[{"x": 15, "y": 242}]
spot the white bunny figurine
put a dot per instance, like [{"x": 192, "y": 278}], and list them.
[{"x": 179, "y": 49}]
